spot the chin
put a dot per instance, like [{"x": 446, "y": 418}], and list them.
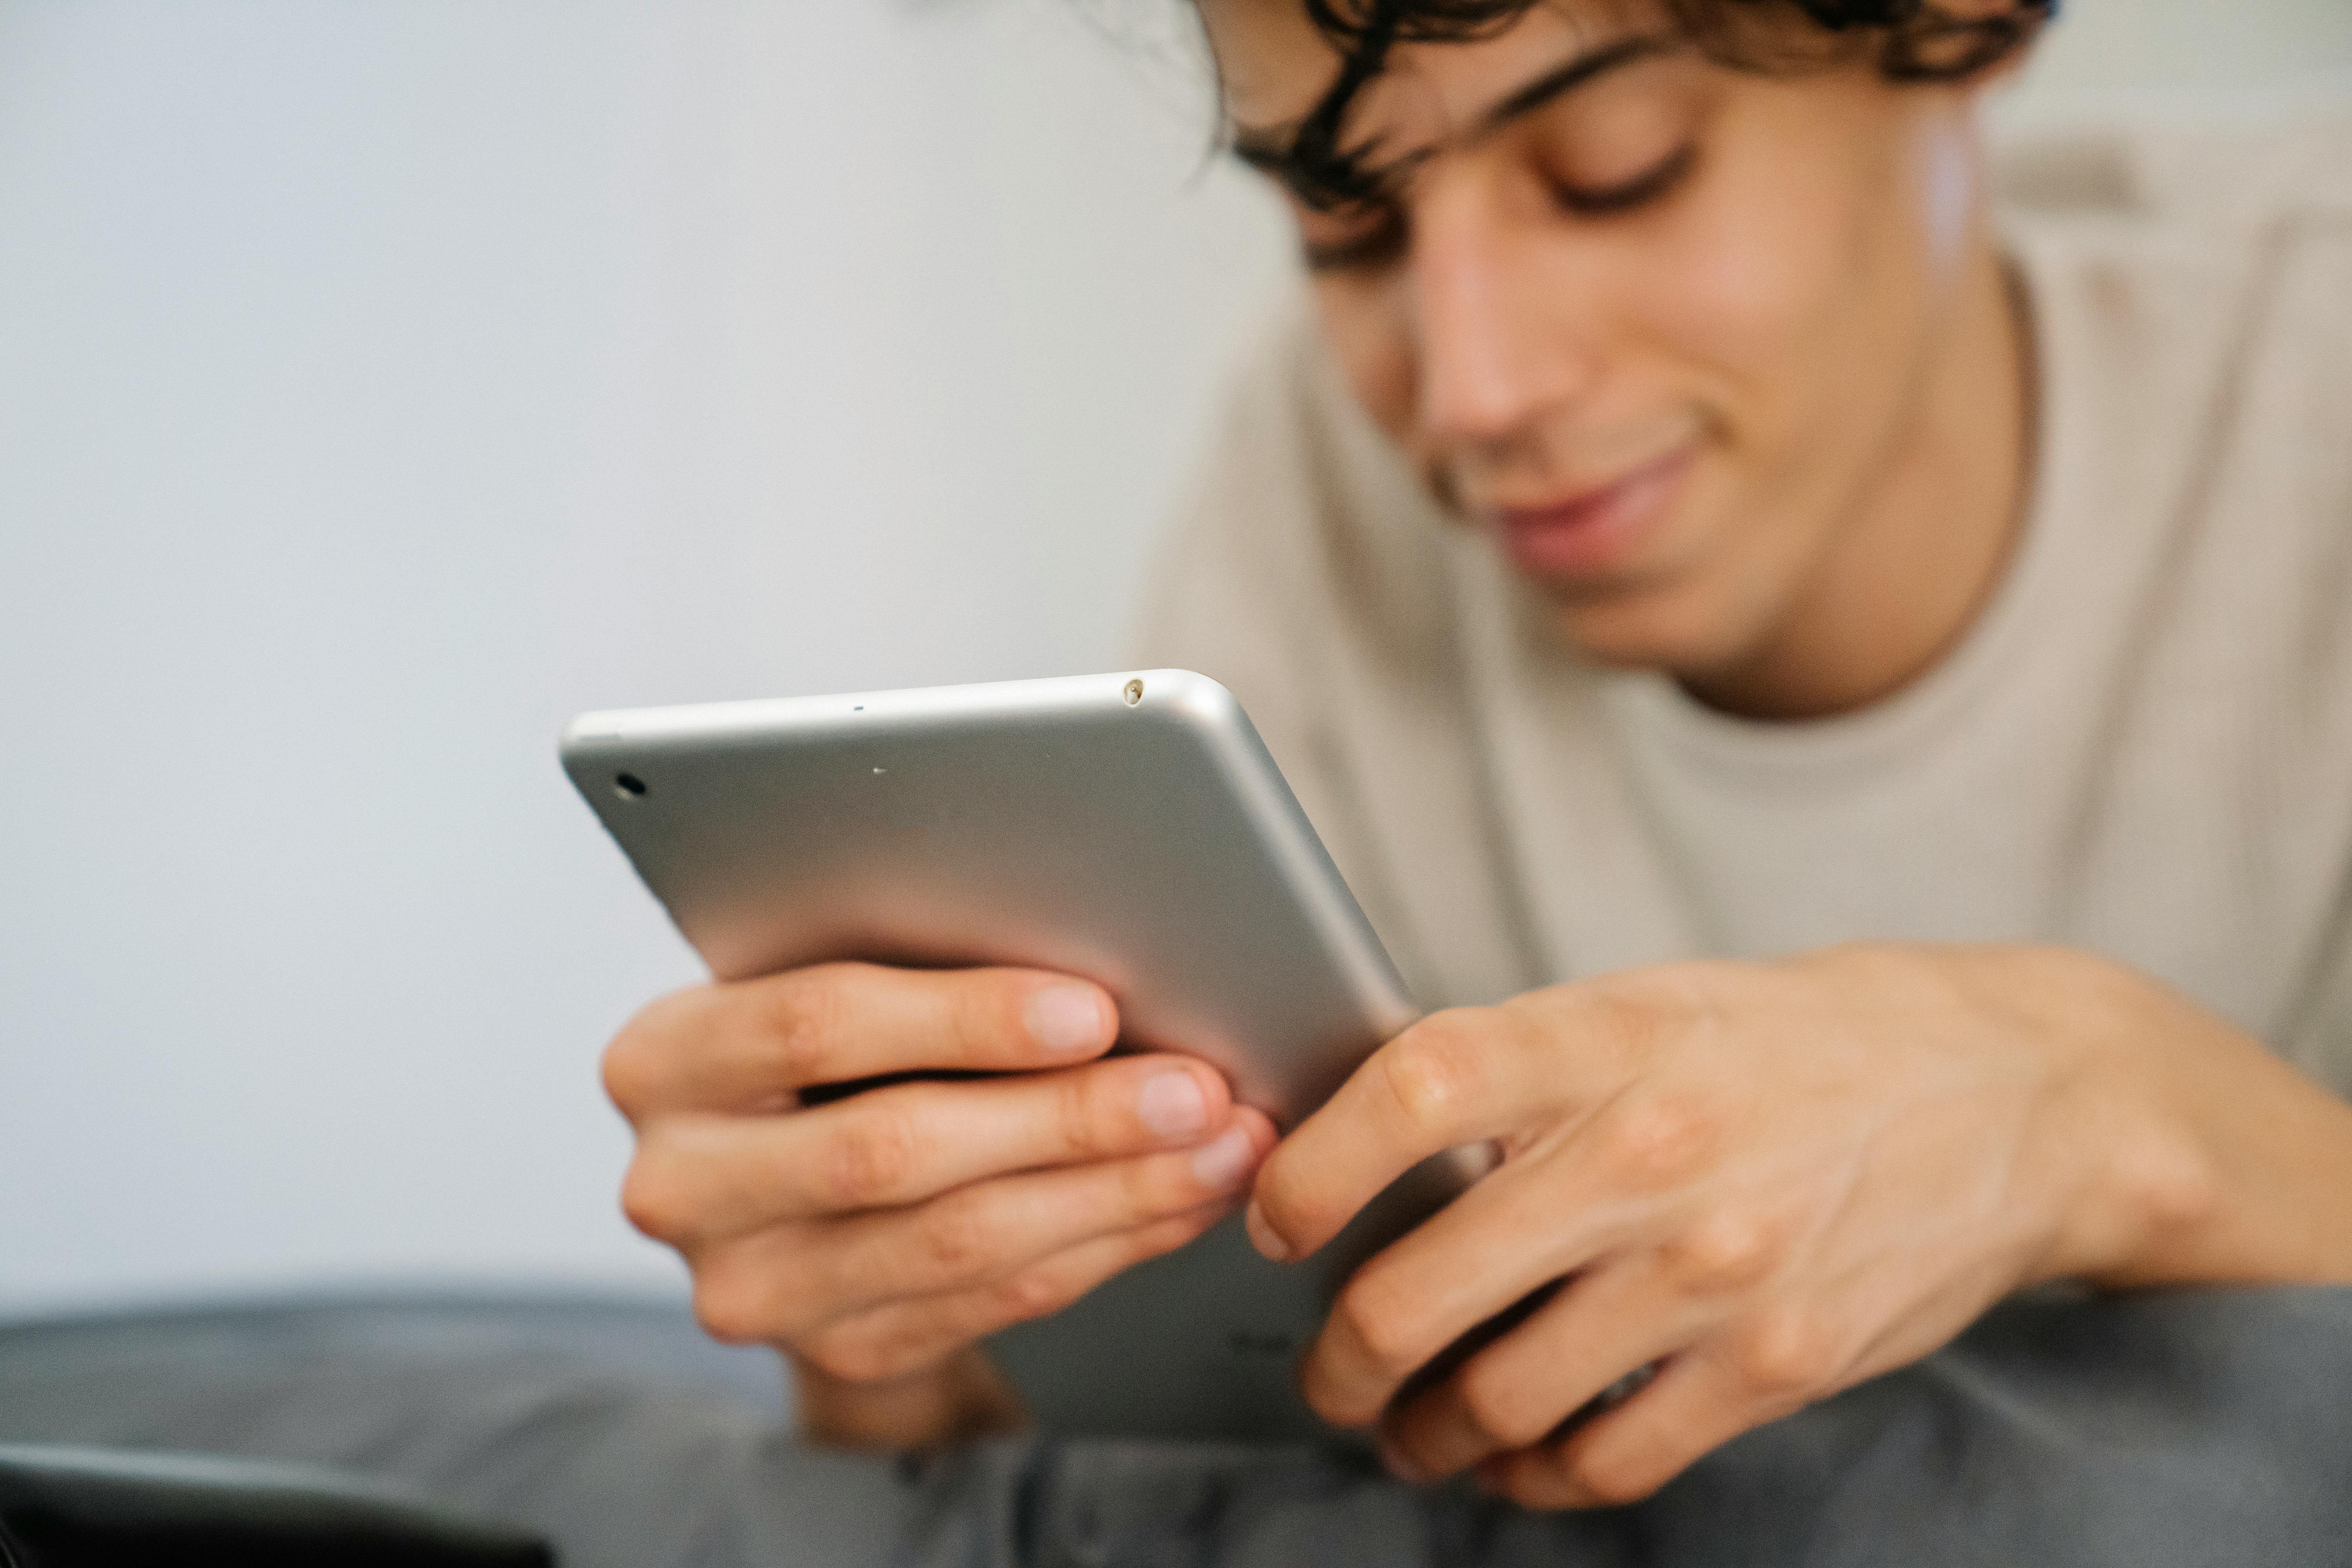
[{"x": 1679, "y": 629}]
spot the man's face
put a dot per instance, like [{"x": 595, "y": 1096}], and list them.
[{"x": 1661, "y": 331}]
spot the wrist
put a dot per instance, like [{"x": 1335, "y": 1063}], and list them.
[
  {"x": 2210, "y": 1159},
  {"x": 2144, "y": 1179},
  {"x": 961, "y": 1400},
  {"x": 2149, "y": 1197}
]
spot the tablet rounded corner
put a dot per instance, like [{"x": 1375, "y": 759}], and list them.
[{"x": 1199, "y": 702}]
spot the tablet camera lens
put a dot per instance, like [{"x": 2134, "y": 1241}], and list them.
[
  {"x": 629, "y": 786},
  {"x": 1134, "y": 692}
]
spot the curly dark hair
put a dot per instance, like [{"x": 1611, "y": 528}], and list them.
[{"x": 1910, "y": 40}]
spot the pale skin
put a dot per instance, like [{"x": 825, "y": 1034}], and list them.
[{"x": 1789, "y": 364}]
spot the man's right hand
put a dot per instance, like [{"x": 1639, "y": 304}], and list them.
[{"x": 875, "y": 1237}]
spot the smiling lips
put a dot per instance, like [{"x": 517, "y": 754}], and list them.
[{"x": 1592, "y": 532}]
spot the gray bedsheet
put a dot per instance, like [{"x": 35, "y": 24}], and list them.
[{"x": 2201, "y": 1427}]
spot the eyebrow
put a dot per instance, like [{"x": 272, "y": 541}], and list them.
[{"x": 1274, "y": 152}]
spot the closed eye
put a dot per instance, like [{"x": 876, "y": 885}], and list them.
[{"x": 1625, "y": 195}]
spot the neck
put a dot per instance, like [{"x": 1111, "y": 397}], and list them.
[{"x": 1927, "y": 542}]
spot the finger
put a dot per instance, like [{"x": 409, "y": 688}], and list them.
[
  {"x": 1511, "y": 1234},
  {"x": 989, "y": 1229},
  {"x": 1455, "y": 1078},
  {"x": 908, "y": 1336},
  {"x": 1602, "y": 1183},
  {"x": 785, "y": 1282},
  {"x": 756, "y": 1043},
  {"x": 1696, "y": 1402},
  {"x": 1587, "y": 1340},
  {"x": 697, "y": 1178}
]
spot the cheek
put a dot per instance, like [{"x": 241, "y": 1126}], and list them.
[
  {"x": 1759, "y": 297},
  {"x": 1368, "y": 336},
  {"x": 1800, "y": 290}
]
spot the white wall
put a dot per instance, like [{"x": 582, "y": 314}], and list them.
[
  {"x": 2192, "y": 48},
  {"x": 380, "y": 383}
]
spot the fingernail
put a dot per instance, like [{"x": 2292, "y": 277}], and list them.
[
  {"x": 1172, "y": 1105},
  {"x": 1394, "y": 1460},
  {"x": 1066, "y": 1019},
  {"x": 1221, "y": 1164},
  {"x": 1270, "y": 1245}
]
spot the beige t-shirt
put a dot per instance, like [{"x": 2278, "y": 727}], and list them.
[{"x": 2143, "y": 747}]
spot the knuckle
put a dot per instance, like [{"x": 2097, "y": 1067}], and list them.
[
  {"x": 1031, "y": 1293},
  {"x": 2166, "y": 1178},
  {"x": 1535, "y": 1491},
  {"x": 1632, "y": 1016},
  {"x": 1724, "y": 1251},
  {"x": 1498, "y": 1405},
  {"x": 624, "y": 1069},
  {"x": 959, "y": 1239},
  {"x": 1787, "y": 1354},
  {"x": 802, "y": 1016},
  {"x": 1615, "y": 1474},
  {"x": 1431, "y": 1073},
  {"x": 731, "y": 1307},
  {"x": 632, "y": 1066},
  {"x": 868, "y": 1159},
  {"x": 1285, "y": 1192},
  {"x": 1660, "y": 1139},
  {"x": 1091, "y": 1110},
  {"x": 655, "y": 1201},
  {"x": 1326, "y": 1401},
  {"x": 1371, "y": 1312}
]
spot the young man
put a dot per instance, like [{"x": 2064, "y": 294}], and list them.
[
  {"x": 1847, "y": 707},
  {"x": 1843, "y": 707}
]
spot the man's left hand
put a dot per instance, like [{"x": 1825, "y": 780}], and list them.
[{"x": 1769, "y": 1181}]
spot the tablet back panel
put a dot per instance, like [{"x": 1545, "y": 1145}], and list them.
[{"x": 1130, "y": 829}]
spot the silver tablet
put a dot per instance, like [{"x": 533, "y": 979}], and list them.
[{"x": 1130, "y": 829}]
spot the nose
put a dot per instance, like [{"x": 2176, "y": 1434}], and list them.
[{"x": 1498, "y": 343}]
